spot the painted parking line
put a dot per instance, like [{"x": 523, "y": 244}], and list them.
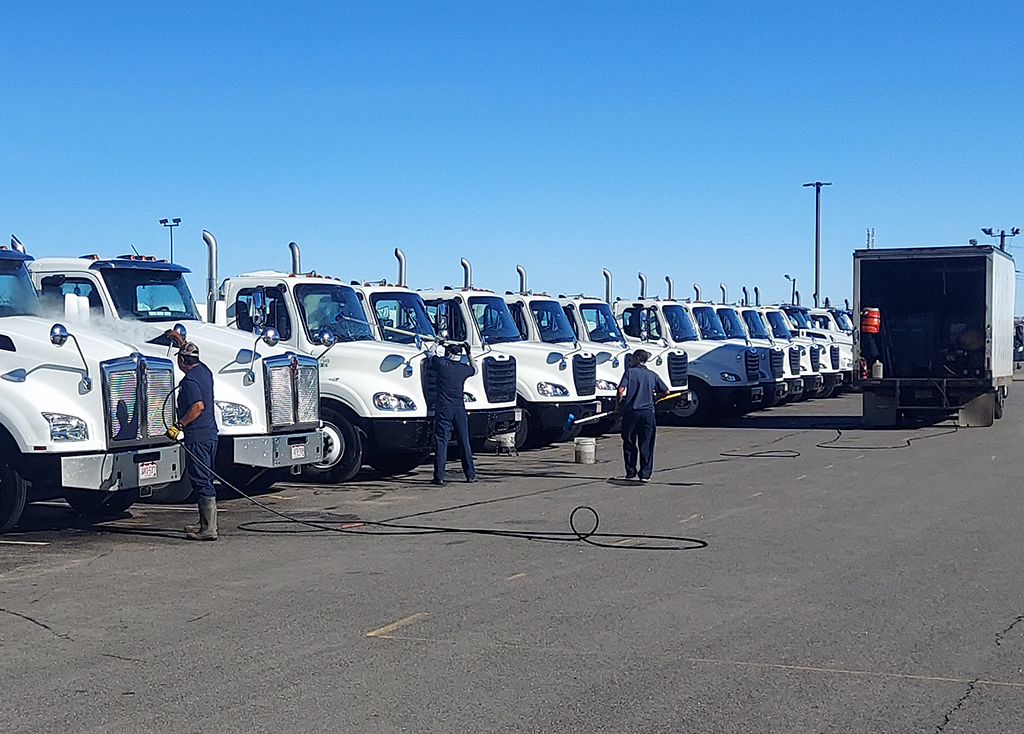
[{"x": 383, "y": 631}]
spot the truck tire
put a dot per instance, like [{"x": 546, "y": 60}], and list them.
[
  {"x": 828, "y": 388},
  {"x": 698, "y": 411},
  {"x": 398, "y": 462},
  {"x": 523, "y": 430},
  {"x": 343, "y": 451},
  {"x": 1000, "y": 399},
  {"x": 97, "y": 505},
  {"x": 248, "y": 479},
  {"x": 171, "y": 494},
  {"x": 13, "y": 492}
]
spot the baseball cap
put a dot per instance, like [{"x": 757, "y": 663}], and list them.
[{"x": 188, "y": 349}]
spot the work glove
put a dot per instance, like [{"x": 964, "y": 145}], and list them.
[{"x": 175, "y": 433}]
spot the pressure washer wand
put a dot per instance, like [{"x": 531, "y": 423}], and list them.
[{"x": 599, "y": 416}]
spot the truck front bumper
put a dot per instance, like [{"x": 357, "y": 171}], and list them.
[
  {"x": 279, "y": 450},
  {"x": 399, "y": 434},
  {"x": 484, "y": 424},
  {"x": 796, "y": 387},
  {"x": 135, "y": 469},
  {"x": 550, "y": 416},
  {"x": 812, "y": 383}
]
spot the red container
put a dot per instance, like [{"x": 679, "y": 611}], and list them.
[{"x": 870, "y": 320}]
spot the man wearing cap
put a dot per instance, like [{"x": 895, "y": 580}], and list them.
[
  {"x": 451, "y": 374},
  {"x": 195, "y": 418},
  {"x": 638, "y": 390}
]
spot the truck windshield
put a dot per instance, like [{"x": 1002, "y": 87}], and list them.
[
  {"x": 551, "y": 322},
  {"x": 494, "y": 320},
  {"x": 709, "y": 323},
  {"x": 150, "y": 295},
  {"x": 679, "y": 324},
  {"x": 17, "y": 296},
  {"x": 842, "y": 320},
  {"x": 754, "y": 324},
  {"x": 335, "y": 307},
  {"x": 600, "y": 323},
  {"x": 798, "y": 317},
  {"x": 402, "y": 316},
  {"x": 780, "y": 328},
  {"x": 733, "y": 323}
]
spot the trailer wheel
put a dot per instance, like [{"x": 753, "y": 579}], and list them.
[
  {"x": 343, "y": 451},
  {"x": 13, "y": 492},
  {"x": 97, "y": 505}
]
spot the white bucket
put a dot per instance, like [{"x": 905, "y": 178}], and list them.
[{"x": 586, "y": 450}]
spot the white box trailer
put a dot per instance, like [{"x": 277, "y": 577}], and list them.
[{"x": 936, "y": 332}]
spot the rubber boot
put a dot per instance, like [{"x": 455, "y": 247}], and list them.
[{"x": 207, "y": 520}]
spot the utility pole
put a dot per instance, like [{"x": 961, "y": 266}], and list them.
[
  {"x": 991, "y": 232},
  {"x": 817, "y": 236},
  {"x": 171, "y": 224}
]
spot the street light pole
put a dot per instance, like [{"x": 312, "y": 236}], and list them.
[
  {"x": 817, "y": 236},
  {"x": 991, "y": 232},
  {"x": 171, "y": 224}
]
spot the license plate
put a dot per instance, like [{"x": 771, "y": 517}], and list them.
[
  {"x": 299, "y": 451},
  {"x": 519, "y": 414},
  {"x": 147, "y": 470}
]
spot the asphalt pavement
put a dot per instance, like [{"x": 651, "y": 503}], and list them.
[{"x": 809, "y": 576}]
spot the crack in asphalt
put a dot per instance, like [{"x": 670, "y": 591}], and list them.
[
  {"x": 1001, "y": 635},
  {"x": 36, "y": 622},
  {"x": 956, "y": 707}
]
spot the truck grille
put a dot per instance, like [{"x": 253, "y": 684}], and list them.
[
  {"x": 500, "y": 380},
  {"x": 833, "y": 353},
  {"x": 293, "y": 390},
  {"x": 794, "y": 360},
  {"x": 752, "y": 361},
  {"x": 815, "y": 359},
  {"x": 678, "y": 369},
  {"x": 137, "y": 393},
  {"x": 584, "y": 374},
  {"x": 776, "y": 357}
]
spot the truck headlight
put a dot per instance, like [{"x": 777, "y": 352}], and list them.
[
  {"x": 66, "y": 427},
  {"x": 390, "y": 401},
  {"x": 552, "y": 390},
  {"x": 730, "y": 377},
  {"x": 233, "y": 414},
  {"x": 606, "y": 385},
  {"x": 469, "y": 397}
]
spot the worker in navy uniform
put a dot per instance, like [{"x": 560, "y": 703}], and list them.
[
  {"x": 638, "y": 390},
  {"x": 196, "y": 420},
  {"x": 451, "y": 373}
]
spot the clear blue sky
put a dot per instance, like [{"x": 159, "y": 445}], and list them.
[{"x": 670, "y": 138}]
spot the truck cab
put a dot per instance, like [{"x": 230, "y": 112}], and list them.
[
  {"x": 401, "y": 318},
  {"x": 722, "y": 375},
  {"x": 266, "y": 397},
  {"x": 555, "y": 383},
  {"x": 829, "y": 352},
  {"x": 85, "y": 421},
  {"x": 772, "y": 357},
  {"x": 760, "y": 329},
  {"x": 809, "y": 353},
  {"x": 828, "y": 321}
]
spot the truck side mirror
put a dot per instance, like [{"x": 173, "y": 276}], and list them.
[
  {"x": 58, "y": 335},
  {"x": 270, "y": 336},
  {"x": 326, "y": 338}
]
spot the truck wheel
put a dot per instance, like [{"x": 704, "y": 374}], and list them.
[
  {"x": 13, "y": 492},
  {"x": 697, "y": 411},
  {"x": 97, "y": 505},
  {"x": 343, "y": 451},
  {"x": 523, "y": 430},
  {"x": 999, "y": 405},
  {"x": 398, "y": 462},
  {"x": 248, "y": 479},
  {"x": 828, "y": 387}
]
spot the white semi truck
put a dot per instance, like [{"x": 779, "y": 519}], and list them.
[
  {"x": 830, "y": 355},
  {"x": 400, "y": 318},
  {"x": 372, "y": 395},
  {"x": 267, "y": 398},
  {"x": 84, "y": 421},
  {"x": 836, "y": 325},
  {"x": 594, "y": 324},
  {"x": 723, "y": 376},
  {"x": 808, "y": 351},
  {"x": 553, "y": 387},
  {"x": 772, "y": 365},
  {"x": 760, "y": 329}
]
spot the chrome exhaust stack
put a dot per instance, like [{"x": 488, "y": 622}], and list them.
[
  {"x": 757, "y": 296},
  {"x": 671, "y": 288},
  {"x": 643, "y": 285},
  {"x": 401, "y": 268},
  {"x": 522, "y": 279},
  {"x": 296, "y": 258},
  {"x": 211, "y": 276},
  {"x": 607, "y": 286},
  {"x": 746, "y": 297},
  {"x": 722, "y": 286},
  {"x": 467, "y": 274},
  {"x": 696, "y": 290}
]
